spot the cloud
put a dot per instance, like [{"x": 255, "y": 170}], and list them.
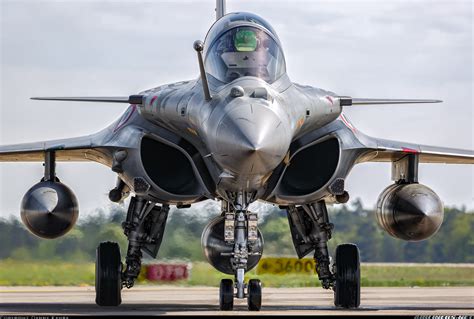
[{"x": 395, "y": 49}]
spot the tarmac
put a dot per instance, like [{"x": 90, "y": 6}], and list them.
[{"x": 172, "y": 300}]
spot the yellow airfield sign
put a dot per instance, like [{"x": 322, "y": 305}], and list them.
[{"x": 286, "y": 265}]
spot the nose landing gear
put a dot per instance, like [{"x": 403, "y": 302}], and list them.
[{"x": 241, "y": 233}]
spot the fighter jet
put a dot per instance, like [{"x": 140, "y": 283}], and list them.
[{"x": 239, "y": 133}]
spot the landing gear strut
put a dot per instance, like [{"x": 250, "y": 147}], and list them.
[
  {"x": 144, "y": 228},
  {"x": 311, "y": 230}
]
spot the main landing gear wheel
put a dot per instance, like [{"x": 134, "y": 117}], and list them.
[
  {"x": 226, "y": 294},
  {"x": 254, "y": 298},
  {"x": 347, "y": 285},
  {"x": 108, "y": 271}
]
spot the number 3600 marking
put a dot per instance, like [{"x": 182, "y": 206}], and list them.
[{"x": 280, "y": 266}]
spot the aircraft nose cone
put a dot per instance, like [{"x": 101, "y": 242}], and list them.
[{"x": 251, "y": 140}]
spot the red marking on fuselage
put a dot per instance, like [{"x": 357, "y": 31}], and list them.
[
  {"x": 153, "y": 99},
  {"x": 346, "y": 122},
  {"x": 409, "y": 150},
  {"x": 330, "y": 99},
  {"x": 126, "y": 119}
]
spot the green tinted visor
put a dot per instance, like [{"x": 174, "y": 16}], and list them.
[{"x": 245, "y": 41}]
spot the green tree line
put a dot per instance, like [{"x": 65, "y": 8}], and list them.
[{"x": 454, "y": 242}]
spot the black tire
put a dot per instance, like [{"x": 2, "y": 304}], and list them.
[
  {"x": 226, "y": 295},
  {"x": 108, "y": 271},
  {"x": 347, "y": 286},
  {"x": 254, "y": 298}
]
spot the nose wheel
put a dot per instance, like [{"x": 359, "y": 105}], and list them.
[
  {"x": 226, "y": 295},
  {"x": 254, "y": 295}
]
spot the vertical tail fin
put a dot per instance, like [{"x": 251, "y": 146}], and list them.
[{"x": 220, "y": 9}]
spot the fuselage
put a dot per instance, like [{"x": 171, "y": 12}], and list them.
[
  {"x": 245, "y": 131},
  {"x": 240, "y": 140}
]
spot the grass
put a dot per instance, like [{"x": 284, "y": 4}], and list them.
[
  {"x": 35, "y": 273},
  {"x": 422, "y": 276}
]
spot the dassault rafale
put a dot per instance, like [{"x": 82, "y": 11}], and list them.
[{"x": 239, "y": 133}]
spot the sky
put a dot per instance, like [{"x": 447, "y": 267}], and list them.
[{"x": 389, "y": 49}]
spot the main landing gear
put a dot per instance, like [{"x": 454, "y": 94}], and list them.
[
  {"x": 347, "y": 277},
  {"x": 108, "y": 271},
  {"x": 233, "y": 245},
  {"x": 144, "y": 229},
  {"x": 311, "y": 230}
]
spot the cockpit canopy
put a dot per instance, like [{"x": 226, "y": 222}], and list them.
[{"x": 243, "y": 44}]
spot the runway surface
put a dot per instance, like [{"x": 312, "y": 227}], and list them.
[{"x": 159, "y": 300}]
